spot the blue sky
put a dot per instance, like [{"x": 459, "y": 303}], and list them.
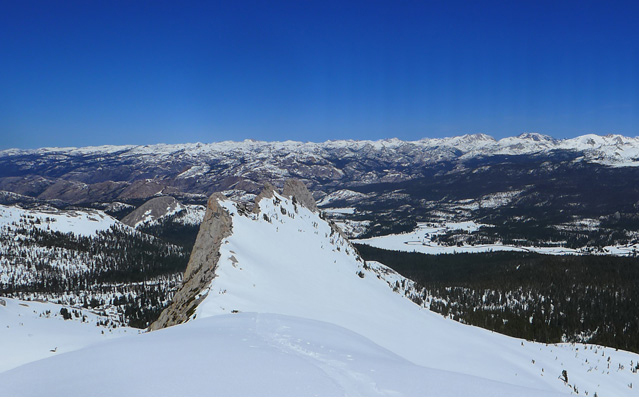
[{"x": 77, "y": 73}]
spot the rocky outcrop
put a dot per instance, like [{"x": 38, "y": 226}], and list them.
[
  {"x": 294, "y": 188},
  {"x": 216, "y": 226},
  {"x": 267, "y": 192},
  {"x": 151, "y": 210}
]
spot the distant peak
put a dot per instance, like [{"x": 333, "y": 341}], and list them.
[
  {"x": 478, "y": 137},
  {"x": 535, "y": 137}
]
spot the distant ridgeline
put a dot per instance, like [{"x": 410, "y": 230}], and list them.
[
  {"x": 530, "y": 189},
  {"x": 588, "y": 299}
]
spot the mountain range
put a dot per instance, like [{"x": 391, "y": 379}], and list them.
[
  {"x": 196, "y": 238},
  {"x": 544, "y": 189},
  {"x": 107, "y": 173}
]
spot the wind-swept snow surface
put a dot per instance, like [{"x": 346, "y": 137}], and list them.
[
  {"x": 243, "y": 355},
  {"x": 31, "y": 330}
]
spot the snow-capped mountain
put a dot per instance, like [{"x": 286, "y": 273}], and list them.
[
  {"x": 107, "y": 173},
  {"x": 392, "y": 184},
  {"x": 477, "y": 144},
  {"x": 160, "y": 209}
]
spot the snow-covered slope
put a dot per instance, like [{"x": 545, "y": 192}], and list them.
[
  {"x": 85, "y": 258},
  {"x": 243, "y": 355},
  {"x": 162, "y": 209},
  {"x": 287, "y": 260},
  {"x": 84, "y": 222},
  {"x": 20, "y": 251},
  {"x": 31, "y": 330}
]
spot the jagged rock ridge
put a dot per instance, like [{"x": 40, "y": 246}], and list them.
[{"x": 217, "y": 225}]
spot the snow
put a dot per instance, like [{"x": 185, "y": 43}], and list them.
[
  {"x": 294, "y": 311},
  {"x": 80, "y": 222},
  {"x": 194, "y": 171},
  {"x": 341, "y": 211},
  {"x": 28, "y": 334},
  {"x": 342, "y": 195},
  {"x": 191, "y": 215},
  {"x": 243, "y": 355},
  {"x": 295, "y": 265},
  {"x": 613, "y": 150},
  {"x": 421, "y": 240}
]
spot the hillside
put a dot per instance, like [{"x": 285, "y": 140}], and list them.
[
  {"x": 243, "y": 355},
  {"x": 87, "y": 258}
]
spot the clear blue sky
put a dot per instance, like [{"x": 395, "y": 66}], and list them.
[{"x": 76, "y": 73}]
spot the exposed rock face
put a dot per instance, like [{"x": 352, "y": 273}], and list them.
[
  {"x": 151, "y": 210},
  {"x": 216, "y": 226},
  {"x": 297, "y": 189},
  {"x": 267, "y": 192}
]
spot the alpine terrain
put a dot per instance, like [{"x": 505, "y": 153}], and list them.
[{"x": 275, "y": 300}]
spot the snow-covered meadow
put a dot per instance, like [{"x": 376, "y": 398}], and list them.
[{"x": 421, "y": 240}]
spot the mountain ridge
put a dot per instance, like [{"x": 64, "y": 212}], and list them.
[
  {"x": 286, "y": 260},
  {"x": 606, "y": 149}
]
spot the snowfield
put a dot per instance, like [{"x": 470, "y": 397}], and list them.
[
  {"x": 246, "y": 354},
  {"x": 421, "y": 240},
  {"x": 31, "y": 330}
]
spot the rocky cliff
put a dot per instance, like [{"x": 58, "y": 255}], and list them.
[
  {"x": 217, "y": 226},
  {"x": 200, "y": 270}
]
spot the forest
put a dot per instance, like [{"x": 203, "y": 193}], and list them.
[
  {"x": 544, "y": 298},
  {"x": 121, "y": 271}
]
